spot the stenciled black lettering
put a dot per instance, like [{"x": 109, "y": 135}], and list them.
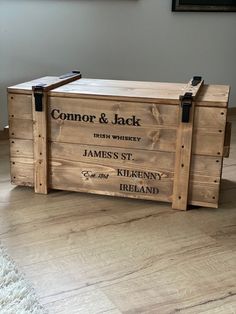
[
  {"x": 62, "y": 116},
  {"x": 132, "y": 121},
  {"x": 138, "y": 189},
  {"x": 126, "y": 138},
  {"x": 57, "y": 114},
  {"x": 53, "y": 114},
  {"x": 138, "y": 174},
  {"x": 101, "y": 154},
  {"x": 70, "y": 116}
]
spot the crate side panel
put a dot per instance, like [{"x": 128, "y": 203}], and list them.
[
  {"x": 22, "y": 171},
  {"x": 20, "y": 106},
  {"x": 204, "y": 194},
  {"x": 21, "y": 162},
  {"x": 21, "y": 129}
]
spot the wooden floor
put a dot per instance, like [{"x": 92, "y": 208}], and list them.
[{"x": 94, "y": 254}]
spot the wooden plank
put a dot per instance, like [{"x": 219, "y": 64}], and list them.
[
  {"x": 149, "y": 114},
  {"x": 20, "y": 128},
  {"x": 205, "y": 141},
  {"x": 64, "y": 165},
  {"x": 22, "y": 171},
  {"x": 39, "y": 120},
  {"x": 148, "y": 138},
  {"x": 193, "y": 89},
  {"x": 49, "y": 83},
  {"x": 40, "y": 136},
  {"x": 62, "y": 80},
  {"x": 159, "y": 114},
  {"x": 26, "y": 87},
  {"x": 20, "y": 106},
  {"x": 68, "y": 176},
  {"x": 182, "y": 164},
  {"x": 211, "y": 95},
  {"x": 219, "y": 99},
  {"x": 184, "y": 149},
  {"x": 63, "y": 175},
  {"x": 208, "y": 93},
  {"x": 200, "y": 166}
]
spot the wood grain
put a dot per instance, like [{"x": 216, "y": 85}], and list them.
[
  {"x": 67, "y": 168},
  {"x": 40, "y": 144},
  {"x": 157, "y": 114},
  {"x": 205, "y": 141},
  {"x": 184, "y": 144},
  {"x": 114, "y": 129},
  {"x": 211, "y": 95},
  {"x": 86, "y": 253}
]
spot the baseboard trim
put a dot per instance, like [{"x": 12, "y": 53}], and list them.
[
  {"x": 4, "y": 134},
  {"x": 232, "y": 111}
]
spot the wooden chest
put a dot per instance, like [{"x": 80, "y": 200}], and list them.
[{"x": 154, "y": 141}]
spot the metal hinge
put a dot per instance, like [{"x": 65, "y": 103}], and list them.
[
  {"x": 72, "y": 73},
  {"x": 38, "y": 96},
  {"x": 196, "y": 80},
  {"x": 187, "y": 99},
  {"x": 186, "y": 104}
]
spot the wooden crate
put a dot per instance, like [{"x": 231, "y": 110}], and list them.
[{"x": 147, "y": 140}]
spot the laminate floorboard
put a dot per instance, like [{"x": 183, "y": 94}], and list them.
[{"x": 95, "y": 254}]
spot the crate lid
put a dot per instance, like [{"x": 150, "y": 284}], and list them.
[{"x": 158, "y": 92}]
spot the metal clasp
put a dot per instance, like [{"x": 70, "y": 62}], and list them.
[
  {"x": 196, "y": 80},
  {"x": 38, "y": 96},
  {"x": 186, "y": 104}
]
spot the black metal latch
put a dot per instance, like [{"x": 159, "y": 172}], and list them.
[
  {"x": 38, "y": 96},
  {"x": 72, "y": 73},
  {"x": 186, "y": 104},
  {"x": 196, "y": 80}
]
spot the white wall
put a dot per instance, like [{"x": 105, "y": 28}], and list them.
[{"x": 119, "y": 39}]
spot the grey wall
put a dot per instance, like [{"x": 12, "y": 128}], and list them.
[{"x": 119, "y": 39}]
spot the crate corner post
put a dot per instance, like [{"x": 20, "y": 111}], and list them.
[
  {"x": 184, "y": 139},
  {"x": 40, "y": 145}
]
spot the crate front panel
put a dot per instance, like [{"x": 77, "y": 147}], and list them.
[
  {"x": 71, "y": 170},
  {"x": 157, "y": 129},
  {"x": 134, "y": 160},
  {"x": 152, "y": 113}
]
